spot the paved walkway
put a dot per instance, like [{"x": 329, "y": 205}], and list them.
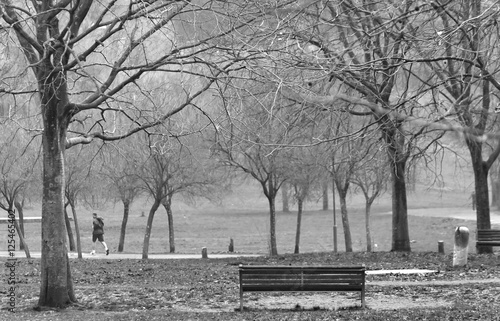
[
  {"x": 136, "y": 256},
  {"x": 394, "y": 283},
  {"x": 463, "y": 213}
]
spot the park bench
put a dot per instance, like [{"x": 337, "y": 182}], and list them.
[
  {"x": 488, "y": 238},
  {"x": 302, "y": 278}
]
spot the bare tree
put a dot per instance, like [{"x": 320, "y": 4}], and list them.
[
  {"x": 123, "y": 173},
  {"x": 254, "y": 136},
  {"x": 362, "y": 50},
  {"x": 461, "y": 51},
  {"x": 79, "y": 182},
  {"x": 175, "y": 167},
  {"x": 371, "y": 178},
  {"x": 88, "y": 63},
  {"x": 303, "y": 177},
  {"x": 16, "y": 174}
]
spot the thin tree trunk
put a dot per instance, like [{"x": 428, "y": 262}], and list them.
[
  {"x": 21, "y": 239},
  {"x": 325, "y": 195},
  {"x": 334, "y": 204},
  {"x": 299, "y": 222},
  {"x": 71, "y": 238},
  {"x": 345, "y": 222},
  {"x": 272, "y": 227},
  {"x": 149, "y": 225},
  {"x": 285, "y": 198},
  {"x": 368, "y": 207},
  {"x": 167, "y": 204},
  {"x": 77, "y": 231},
  {"x": 20, "y": 213},
  {"x": 126, "y": 211}
]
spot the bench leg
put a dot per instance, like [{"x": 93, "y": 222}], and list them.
[
  {"x": 363, "y": 299},
  {"x": 241, "y": 300}
]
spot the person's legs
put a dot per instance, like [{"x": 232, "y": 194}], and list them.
[
  {"x": 94, "y": 240},
  {"x": 101, "y": 239},
  {"x": 105, "y": 247}
]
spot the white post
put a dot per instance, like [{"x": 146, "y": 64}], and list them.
[{"x": 460, "y": 250}]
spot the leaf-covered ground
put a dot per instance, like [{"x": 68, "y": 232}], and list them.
[{"x": 208, "y": 290}]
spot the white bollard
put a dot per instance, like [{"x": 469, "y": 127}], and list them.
[{"x": 461, "y": 248}]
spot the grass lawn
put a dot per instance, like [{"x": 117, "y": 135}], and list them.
[{"x": 244, "y": 217}]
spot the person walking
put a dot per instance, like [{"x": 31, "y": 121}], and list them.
[{"x": 98, "y": 233}]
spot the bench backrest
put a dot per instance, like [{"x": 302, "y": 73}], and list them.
[
  {"x": 488, "y": 235},
  {"x": 303, "y": 278}
]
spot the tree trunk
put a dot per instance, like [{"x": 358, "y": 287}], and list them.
[
  {"x": 71, "y": 238},
  {"x": 400, "y": 230},
  {"x": 77, "y": 231},
  {"x": 126, "y": 211},
  {"x": 345, "y": 221},
  {"x": 56, "y": 287},
  {"x": 495, "y": 185},
  {"x": 481, "y": 189},
  {"x": 299, "y": 221},
  {"x": 273, "y": 250},
  {"x": 495, "y": 190},
  {"x": 325, "y": 196},
  {"x": 167, "y": 204},
  {"x": 20, "y": 213},
  {"x": 285, "y": 199},
  {"x": 149, "y": 225},
  {"x": 21, "y": 239},
  {"x": 368, "y": 207},
  {"x": 397, "y": 162}
]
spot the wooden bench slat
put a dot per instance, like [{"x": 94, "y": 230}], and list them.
[
  {"x": 308, "y": 269},
  {"x": 486, "y": 238},
  {"x": 307, "y": 276},
  {"x": 488, "y": 243},
  {"x": 302, "y": 287},
  {"x": 489, "y": 237},
  {"x": 284, "y": 281}
]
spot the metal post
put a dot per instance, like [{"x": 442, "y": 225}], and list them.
[
  {"x": 334, "y": 224},
  {"x": 441, "y": 247},
  {"x": 334, "y": 205}
]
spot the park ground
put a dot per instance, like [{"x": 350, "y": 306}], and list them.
[
  {"x": 195, "y": 289},
  {"x": 124, "y": 287}
]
